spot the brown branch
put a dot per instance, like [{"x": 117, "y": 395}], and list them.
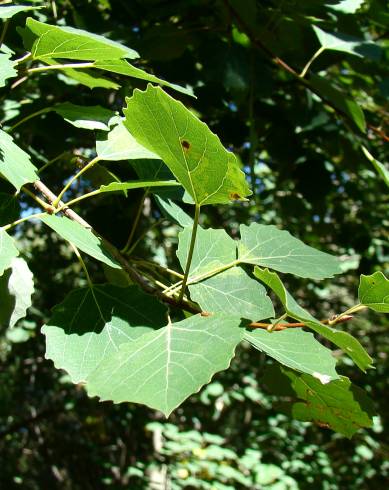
[
  {"x": 285, "y": 66},
  {"x": 130, "y": 269},
  {"x": 135, "y": 275}
]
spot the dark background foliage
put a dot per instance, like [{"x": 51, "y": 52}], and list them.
[{"x": 308, "y": 174}]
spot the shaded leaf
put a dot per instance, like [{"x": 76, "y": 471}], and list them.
[
  {"x": 193, "y": 153},
  {"x": 81, "y": 237},
  {"x": 373, "y": 292},
  {"x": 233, "y": 292},
  {"x": 9, "y": 208},
  {"x": 54, "y": 42},
  {"x": 91, "y": 324},
  {"x": 340, "y": 100},
  {"x": 343, "y": 407},
  {"x": 347, "y": 44},
  {"x": 296, "y": 349},
  {"x": 16, "y": 289},
  {"x": 15, "y": 164},
  {"x": 268, "y": 246},
  {"x": 162, "y": 368},
  {"x": 7, "y": 251},
  {"x": 344, "y": 340},
  {"x": 172, "y": 211}
]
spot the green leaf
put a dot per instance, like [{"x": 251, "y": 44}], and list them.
[
  {"x": 233, "y": 292},
  {"x": 7, "y": 68},
  {"x": 347, "y": 6},
  {"x": 54, "y": 42},
  {"x": 348, "y": 44},
  {"x": 267, "y": 246},
  {"x": 173, "y": 212},
  {"x": 137, "y": 184},
  {"x": 339, "y": 405},
  {"x": 373, "y": 292},
  {"x": 339, "y": 100},
  {"x": 16, "y": 288},
  {"x": 81, "y": 237},
  {"x": 296, "y": 349},
  {"x": 92, "y": 323},
  {"x": 7, "y": 251},
  {"x": 344, "y": 340},
  {"x": 15, "y": 164},
  {"x": 122, "y": 67},
  {"x": 162, "y": 368},
  {"x": 85, "y": 77},
  {"x": 119, "y": 144},
  {"x": 9, "y": 208},
  {"x": 6, "y": 12},
  {"x": 380, "y": 167},
  {"x": 86, "y": 117},
  {"x": 213, "y": 250},
  {"x": 193, "y": 153}
]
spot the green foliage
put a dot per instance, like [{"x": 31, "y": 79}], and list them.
[{"x": 175, "y": 309}]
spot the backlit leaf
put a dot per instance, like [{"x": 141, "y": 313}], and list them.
[
  {"x": 162, "y": 368},
  {"x": 380, "y": 167},
  {"x": 91, "y": 323},
  {"x": 54, "y": 42},
  {"x": 373, "y": 292},
  {"x": 137, "y": 184},
  {"x": 86, "y": 117},
  {"x": 193, "y": 153}
]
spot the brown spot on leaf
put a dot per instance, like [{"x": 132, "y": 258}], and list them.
[
  {"x": 234, "y": 196},
  {"x": 185, "y": 144}
]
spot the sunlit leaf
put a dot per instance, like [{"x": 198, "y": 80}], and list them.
[
  {"x": 15, "y": 164},
  {"x": 86, "y": 117},
  {"x": 162, "y": 368},
  {"x": 8, "y": 11},
  {"x": 7, "y": 251},
  {"x": 344, "y": 340},
  {"x": 296, "y": 349},
  {"x": 7, "y": 68},
  {"x": 380, "y": 167},
  {"x": 234, "y": 292},
  {"x": 16, "y": 288},
  {"x": 137, "y": 184},
  {"x": 193, "y": 153},
  {"x": 91, "y": 324},
  {"x": 268, "y": 246},
  {"x": 373, "y": 292}
]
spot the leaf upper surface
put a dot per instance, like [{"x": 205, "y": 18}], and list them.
[
  {"x": 340, "y": 405},
  {"x": 86, "y": 117},
  {"x": 268, "y": 246},
  {"x": 15, "y": 164},
  {"x": 48, "y": 41},
  {"x": 91, "y": 323},
  {"x": 193, "y": 153},
  {"x": 81, "y": 237},
  {"x": 234, "y": 292},
  {"x": 8, "y": 11},
  {"x": 7, "y": 68},
  {"x": 7, "y": 250},
  {"x": 373, "y": 292},
  {"x": 344, "y": 340},
  {"x": 213, "y": 249},
  {"x": 16, "y": 288},
  {"x": 296, "y": 349},
  {"x": 162, "y": 368}
]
